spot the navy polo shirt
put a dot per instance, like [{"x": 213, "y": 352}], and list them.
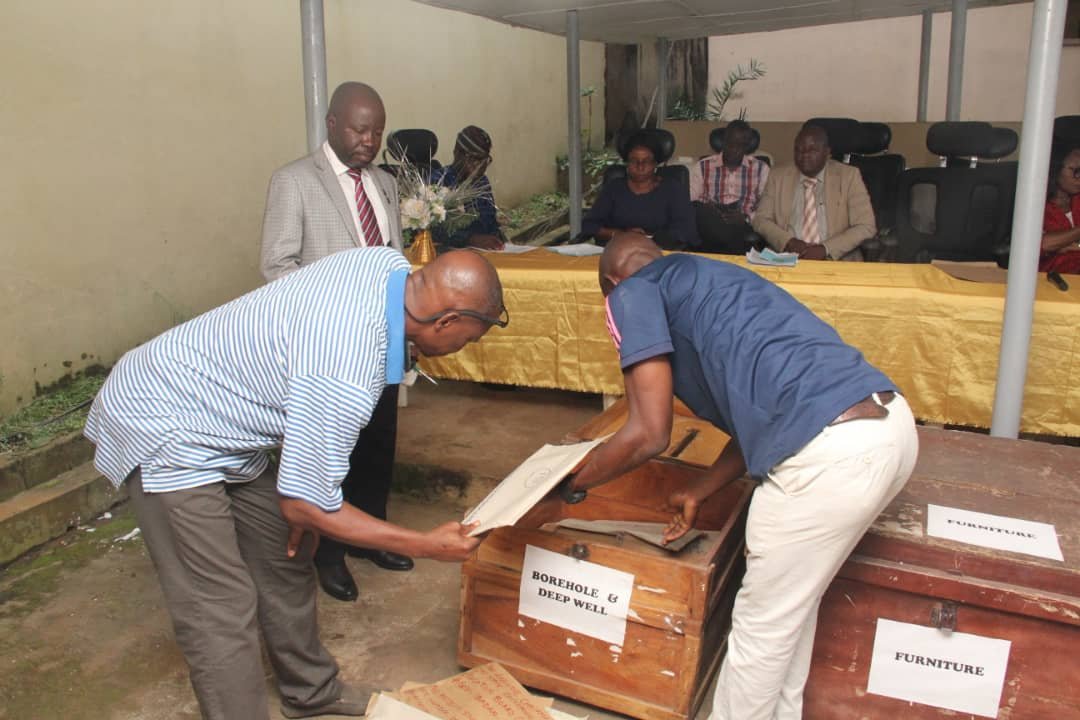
[{"x": 744, "y": 354}]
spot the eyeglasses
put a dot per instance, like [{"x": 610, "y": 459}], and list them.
[
  {"x": 1074, "y": 170},
  {"x": 502, "y": 321}
]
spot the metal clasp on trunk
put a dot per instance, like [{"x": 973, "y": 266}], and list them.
[
  {"x": 579, "y": 551},
  {"x": 943, "y": 616}
]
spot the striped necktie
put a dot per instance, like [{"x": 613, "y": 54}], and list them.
[
  {"x": 810, "y": 233},
  {"x": 368, "y": 224}
]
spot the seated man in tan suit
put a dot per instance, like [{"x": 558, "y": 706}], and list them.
[{"x": 837, "y": 218}]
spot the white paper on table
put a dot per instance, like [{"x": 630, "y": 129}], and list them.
[
  {"x": 560, "y": 715},
  {"x": 993, "y": 531},
  {"x": 957, "y": 671},
  {"x": 770, "y": 257},
  {"x": 386, "y": 707},
  {"x": 576, "y": 249},
  {"x": 585, "y": 597},
  {"x": 516, "y": 249},
  {"x": 527, "y": 485}
]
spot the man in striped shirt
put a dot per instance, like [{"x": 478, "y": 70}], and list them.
[
  {"x": 188, "y": 421},
  {"x": 725, "y": 189}
]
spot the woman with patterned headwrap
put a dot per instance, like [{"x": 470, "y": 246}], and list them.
[{"x": 472, "y": 156}]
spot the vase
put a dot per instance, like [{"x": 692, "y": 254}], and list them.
[{"x": 422, "y": 250}]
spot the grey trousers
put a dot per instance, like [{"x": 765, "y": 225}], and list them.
[{"x": 219, "y": 551}]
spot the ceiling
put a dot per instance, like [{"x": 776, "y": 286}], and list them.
[{"x": 631, "y": 21}]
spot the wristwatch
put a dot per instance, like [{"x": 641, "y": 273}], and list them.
[{"x": 571, "y": 497}]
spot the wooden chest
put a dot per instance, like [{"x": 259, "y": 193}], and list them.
[
  {"x": 899, "y": 573},
  {"x": 679, "y": 609}
]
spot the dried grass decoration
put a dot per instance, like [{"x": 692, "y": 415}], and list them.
[{"x": 426, "y": 206}]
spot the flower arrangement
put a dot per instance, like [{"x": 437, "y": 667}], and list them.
[{"x": 425, "y": 205}]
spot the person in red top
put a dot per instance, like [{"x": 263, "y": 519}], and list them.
[{"x": 1061, "y": 219}]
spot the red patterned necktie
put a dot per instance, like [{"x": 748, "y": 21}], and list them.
[{"x": 368, "y": 224}]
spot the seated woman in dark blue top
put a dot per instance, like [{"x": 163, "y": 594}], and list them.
[
  {"x": 643, "y": 202},
  {"x": 472, "y": 156}
]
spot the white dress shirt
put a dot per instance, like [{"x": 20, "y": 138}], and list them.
[{"x": 348, "y": 187}]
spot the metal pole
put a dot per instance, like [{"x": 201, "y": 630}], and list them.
[
  {"x": 313, "y": 48},
  {"x": 662, "y": 45},
  {"x": 957, "y": 33},
  {"x": 924, "y": 63},
  {"x": 1044, "y": 57},
  {"x": 573, "y": 110}
]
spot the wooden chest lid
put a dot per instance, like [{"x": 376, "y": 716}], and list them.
[{"x": 1018, "y": 479}]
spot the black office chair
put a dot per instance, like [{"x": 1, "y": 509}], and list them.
[
  {"x": 415, "y": 146},
  {"x": 966, "y": 206},
  {"x": 845, "y": 135},
  {"x": 1067, "y": 129},
  {"x": 880, "y": 170},
  {"x": 664, "y": 142}
]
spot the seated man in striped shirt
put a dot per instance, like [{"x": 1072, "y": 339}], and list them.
[
  {"x": 725, "y": 189},
  {"x": 189, "y": 419}
]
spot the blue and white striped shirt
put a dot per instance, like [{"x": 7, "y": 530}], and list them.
[{"x": 298, "y": 364}]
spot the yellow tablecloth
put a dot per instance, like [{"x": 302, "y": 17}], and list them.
[{"x": 937, "y": 337}]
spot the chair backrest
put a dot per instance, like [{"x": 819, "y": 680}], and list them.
[
  {"x": 845, "y": 135},
  {"x": 968, "y": 142},
  {"x": 962, "y": 211},
  {"x": 716, "y": 140},
  {"x": 880, "y": 174},
  {"x": 415, "y": 146},
  {"x": 880, "y": 169},
  {"x": 1067, "y": 129}
]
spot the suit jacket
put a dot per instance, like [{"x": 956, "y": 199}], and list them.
[
  {"x": 308, "y": 218},
  {"x": 849, "y": 215}
]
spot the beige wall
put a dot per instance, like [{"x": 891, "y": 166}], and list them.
[
  {"x": 138, "y": 139},
  {"x": 870, "y": 70}
]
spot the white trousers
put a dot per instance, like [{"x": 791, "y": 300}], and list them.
[{"x": 804, "y": 521}]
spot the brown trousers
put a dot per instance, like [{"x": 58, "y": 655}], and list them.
[{"x": 219, "y": 551}]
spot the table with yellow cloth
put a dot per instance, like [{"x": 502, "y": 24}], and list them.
[{"x": 936, "y": 336}]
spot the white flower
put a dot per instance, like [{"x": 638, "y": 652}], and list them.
[{"x": 415, "y": 214}]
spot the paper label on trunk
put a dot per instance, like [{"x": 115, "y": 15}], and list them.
[
  {"x": 574, "y": 594},
  {"x": 956, "y": 671},
  {"x": 993, "y": 531}
]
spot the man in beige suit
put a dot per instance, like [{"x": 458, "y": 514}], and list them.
[
  {"x": 332, "y": 200},
  {"x": 818, "y": 208}
]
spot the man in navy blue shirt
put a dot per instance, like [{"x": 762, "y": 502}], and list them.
[{"x": 826, "y": 435}]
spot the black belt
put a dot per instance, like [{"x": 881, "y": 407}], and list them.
[{"x": 867, "y": 408}]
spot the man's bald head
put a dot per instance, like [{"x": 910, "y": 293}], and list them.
[
  {"x": 354, "y": 124},
  {"x": 625, "y": 255},
  {"x": 465, "y": 279},
  {"x": 443, "y": 298}
]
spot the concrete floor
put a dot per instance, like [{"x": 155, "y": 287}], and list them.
[{"x": 83, "y": 630}]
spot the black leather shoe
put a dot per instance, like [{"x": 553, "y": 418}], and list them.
[
  {"x": 338, "y": 582},
  {"x": 383, "y": 558}
]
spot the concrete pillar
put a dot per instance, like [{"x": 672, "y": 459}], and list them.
[{"x": 1044, "y": 58}]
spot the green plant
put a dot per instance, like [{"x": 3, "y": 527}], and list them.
[
  {"x": 536, "y": 208},
  {"x": 724, "y": 93},
  {"x": 593, "y": 162},
  {"x": 57, "y": 412},
  {"x": 683, "y": 109}
]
